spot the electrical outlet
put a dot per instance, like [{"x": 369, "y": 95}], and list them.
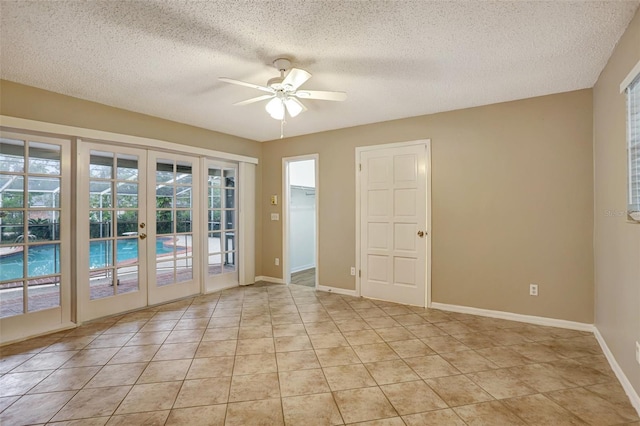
[
  {"x": 275, "y": 216},
  {"x": 277, "y": 261},
  {"x": 638, "y": 352},
  {"x": 533, "y": 289},
  {"x": 353, "y": 271}
]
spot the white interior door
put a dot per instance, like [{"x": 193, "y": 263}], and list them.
[
  {"x": 111, "y": 220},
  {"x": 393, "y": 213}
]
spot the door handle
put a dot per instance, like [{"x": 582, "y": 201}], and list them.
[
  {"x": 420, "y": 234},
  {"x": 143, "y": 236},
  {"x": 142, "y": 225}
]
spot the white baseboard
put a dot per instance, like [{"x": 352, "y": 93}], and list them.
[
  {"x": 225, "y": 287},
  {"x": 270, "y": 279},
  {"x": 531, "y": 319},
  {"x": 56, "y": 329},
  {"x": 622, "y": 378},
  {"x": 302, "y": 268},
  {"x": 336, "y": 290}
]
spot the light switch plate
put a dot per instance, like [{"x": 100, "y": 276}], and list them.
[{"x": 275, "y": 216}]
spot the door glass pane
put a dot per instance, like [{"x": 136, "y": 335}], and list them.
[
  {"x": 164, "y": 196},
  {"x": 11, "y": 299},
  {"x": 230, "y": 178},
  {"x": 214, "y": 178},
  {"x": 12, "y": 264},
  {"x": 12, "y": 229},
  {"x": 184, "y": 270},
  {"x": 43, "y": 259},
  {"x": 100, "y": 254},
  {"x": 127, "y": 195},
  {"x": 127, "y": 251},
  {"x": 101, "y": 165},
  {"x": 12, "y": 192},
  {"x": 44, "y": 225},
  {"x": 230, "y": 219},
  {"x": 184, "y": 221},
  {"x": 229, "y": 198},
  {"x": 44, "y": 158},
  {"x": 184, "y": 173},
  {"x": 184, "y": 244},
  {"x": 44, "y": 192},
  {"x": 214, "y": 242},
  {"x": 127, "y": 167},
  {"x": 214, "y": 220},
  {"x": 165, "y": 270},
  {"x": 164, "y": 171},
  {"x": 100, "y": 224},
  {"x": 11, "y": 155},
  {"x": 128, "y": 279},
  {"x": 214, "y": 198},
  {"x": 229, "y": 262},
  {"x": 229, "y": 241},
  {"x": 127, "y": 222},
  {"x": 43, "y": 293},
  {"x": 101, "y": 283},
  {"x": 183, "y": 196},
  {"x": 164, "y": 222},
  {"x": 100, "y": 194}
]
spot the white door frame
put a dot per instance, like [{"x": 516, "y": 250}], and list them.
[
  {"x": 286, "y": 269},
  {"x": 359, "y": 150}
]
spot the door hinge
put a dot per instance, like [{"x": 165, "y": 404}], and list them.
[
  {"x": 360, "y": 166},
  {"x": 359, "y": 273}
]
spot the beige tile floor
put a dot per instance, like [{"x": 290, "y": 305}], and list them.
[
  {"x": 306, "y": 277},
  {"x": 273, "y": 355}
]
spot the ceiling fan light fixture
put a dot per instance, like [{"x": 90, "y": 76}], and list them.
[
  {"x": 275, "y": 108},
  {"x": 293, "y": 108}
]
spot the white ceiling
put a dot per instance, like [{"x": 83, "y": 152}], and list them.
[{"x": 394, "y": 59}]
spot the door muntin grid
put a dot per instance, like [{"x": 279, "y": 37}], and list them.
[
  {"x": 114, "y": 197},
  {"x": 222, "y": 220},
  {"x": 174, "y": 221},
  {"x": 30, "y": 232}
]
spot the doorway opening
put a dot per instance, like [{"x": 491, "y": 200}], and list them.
[{"x": 300, "y": 222}]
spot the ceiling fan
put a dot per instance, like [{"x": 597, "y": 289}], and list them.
[{"x": 284, "y": 92}]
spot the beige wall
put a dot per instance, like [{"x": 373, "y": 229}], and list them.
[
  {"x": 512, "y": 203},
  {"x": 17, "y": 100},
  {"x": 617, "y": 242},
  {"x": 28, "y": 102}
]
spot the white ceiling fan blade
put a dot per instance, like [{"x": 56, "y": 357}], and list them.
[
  {"x": 294, "y": 106},
  {"x": 252, "y": 100},
  {"x": 244, "y": 83},
  {"x": 321, "y": 94},
  {"x": 296, "y": 78}
]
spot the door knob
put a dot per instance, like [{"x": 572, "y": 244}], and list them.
[
  {"x": 143, "y": 236},
  {"x": 142, "y": 225},
  {"x": 420, "y": 234}
]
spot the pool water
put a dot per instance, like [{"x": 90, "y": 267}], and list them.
[{"x": 45, "y": 259}]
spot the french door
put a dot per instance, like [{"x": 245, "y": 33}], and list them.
[
  {"x": 35, "y": 280},
  {"x": 221, "y": 247},
  {"x": 136, "y": 216}
]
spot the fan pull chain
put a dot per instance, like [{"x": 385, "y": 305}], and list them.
[{"x": 282, "y": 128}]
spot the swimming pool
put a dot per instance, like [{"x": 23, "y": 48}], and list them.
[{"x": 45, "y": 259}]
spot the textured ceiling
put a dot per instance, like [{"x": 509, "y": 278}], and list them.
[{"x": 394, "y": 59}]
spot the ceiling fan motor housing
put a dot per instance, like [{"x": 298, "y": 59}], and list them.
[{"x": 282, "y": 64}]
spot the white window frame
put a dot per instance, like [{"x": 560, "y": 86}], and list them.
[{"x": 633, "y": 132}]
